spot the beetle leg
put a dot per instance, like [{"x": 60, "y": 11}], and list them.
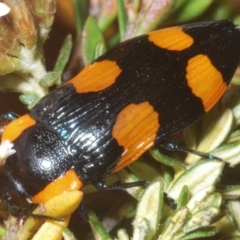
[
  {"x": 170, "y": 202},
  {"x": 19, "y": 211},
  {"x": 172, "y": 146},
  {"x": 101, "y": 185},
  {"x": 5, "y": 119}
]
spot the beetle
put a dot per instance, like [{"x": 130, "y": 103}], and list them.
[{"x": 134, "y": 96}]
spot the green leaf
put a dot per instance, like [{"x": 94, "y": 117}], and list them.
[
  {"x": 234, "y": 136},
  {"x": 201, "y": 233},
  {"x": 149, "y": 212},
  {"x": 203, "y": 199},
  {"x": 171, "y": 162},
  {"x": 92, "y": 41},
  {"x": 81, "y": 13},
  {"x": 122, "y": 234},
  {"x": 222, "y": 10},
  {"x": 122, "y": 18},
  {"x": 68, "y": 235},
  {"x": 142, "y": 230},
  {"x": 197, "y": 178},
  {"x": 167, "y": 175},
  {"x": 183, "y": 197},
  {"x": 229, "y": 191},
  {"x": 237, "y": 20},
  {"x": 187, "y": 10},
  {"x": 63, "y": 57},
  {"x": 234, "y": 210},
  {"x": 213, "y": 136},
  {"x": 49, "y": 79},
  {"x": 99, "y": 231},
  {"x": 174, "y": 224},
  {"x": 107, "y": 14},
  {"x": 30, "y": 99},
  {"x": 230, "y": 153},
  {"x": 144, "y": 170},
  {"x": 201, "y": 218},
  {"x": 3, "y": 231}
]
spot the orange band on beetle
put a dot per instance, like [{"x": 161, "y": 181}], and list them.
[
  {"x": 200, "y": 70},
  {"x": 135, "y": 129},
  {"x": 173, "y": 39},
  {"x": 15, "y": 128},
  {"x": 68, "y": 182},
  {"x": 96, "y": 77}
]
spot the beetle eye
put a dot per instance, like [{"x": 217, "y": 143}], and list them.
[{"x": 6, "y": 149}]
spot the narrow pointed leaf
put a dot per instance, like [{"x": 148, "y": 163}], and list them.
[
  {"x": 200, "y": 176},
  {"x": 122, "y": 234},
  {"x": 176, "y": 222},
  {"x": 215, "y": 134},
  {"x": 149, "y": 209},
  {"x": 203, "y": 233},
  {"x": 188, "y": 10},
  {"x": 234, "y": 210},
  {"x": 122, "y": 18},
  {"x": 92, "y": 37},
  {"x": 99, "y": 231}
]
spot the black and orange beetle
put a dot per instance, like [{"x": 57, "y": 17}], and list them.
[{"x": 132, "y": 97}]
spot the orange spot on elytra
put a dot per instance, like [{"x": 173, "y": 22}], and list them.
[
  {"x": 171, "y": 39},
  {"x": 68, "y": 182},
  {"x": 96, "y": 77},
  {"x": 15, "y": 128},
  {"x": 205, "y": 80},
  {"x": 135, "y": 129}
]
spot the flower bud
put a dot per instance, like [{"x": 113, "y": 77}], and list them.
[
  {"x": 22, "y": 20},
  {"x": 44, "y": 11}
]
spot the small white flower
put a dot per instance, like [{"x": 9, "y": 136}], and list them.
[
  {"x": 6, "y": 149},
  {"x": 4, "y": 9}
]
